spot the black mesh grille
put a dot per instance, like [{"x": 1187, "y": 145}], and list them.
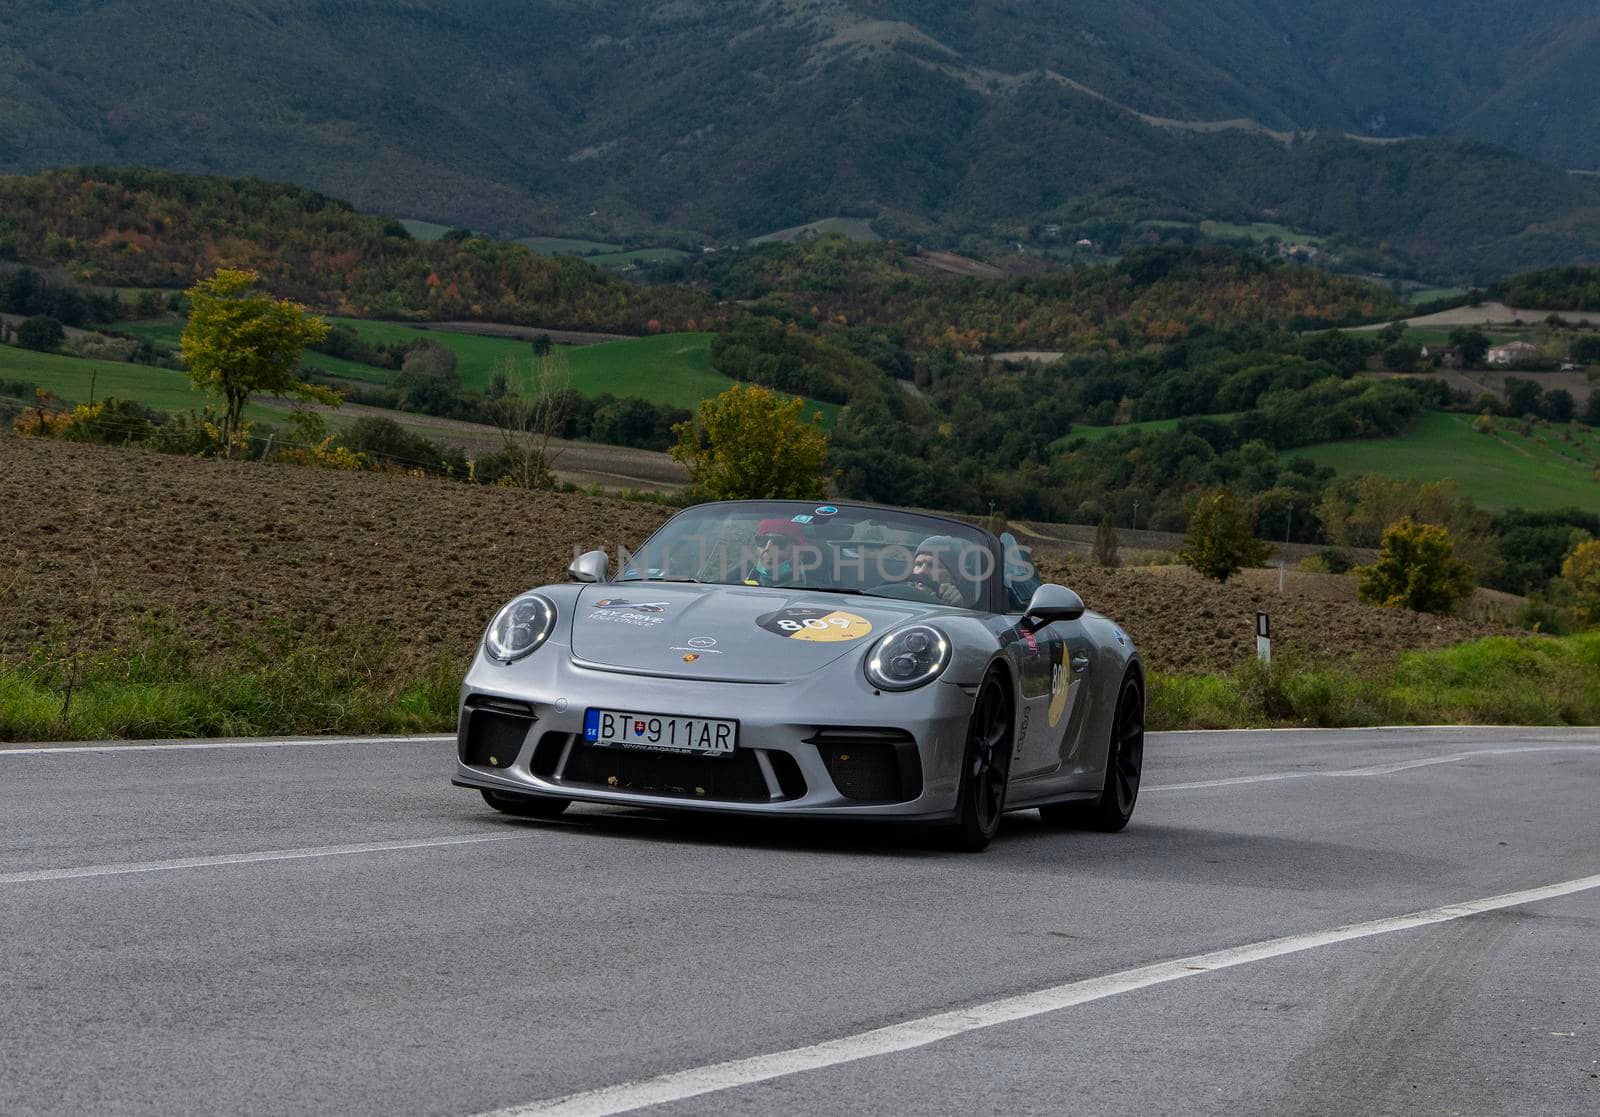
[
  {"x": 871, "y": 765},
  {"x": 491, "y": 738},
  {"x": 737, "y": 777}
]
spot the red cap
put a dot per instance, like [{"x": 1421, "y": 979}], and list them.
[{"x": 781, "y": 527}]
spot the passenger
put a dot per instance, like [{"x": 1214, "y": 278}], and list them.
[
  {"x": 930, "y": 570},
  {"x": 777, "y": 541}
]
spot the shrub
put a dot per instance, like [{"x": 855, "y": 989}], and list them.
[
  {"x": 112, "y": 422},
  {"x": 752, "y": 444},
  {"x": 385, "y": 440},
  {"x": 1581, "y": 571},
  {"x": 1221, "y": 539},
  {"x": 41, "y": 332},
  {"x": 1416, "y": 569},
  {"x": 1106, "y": 543}
]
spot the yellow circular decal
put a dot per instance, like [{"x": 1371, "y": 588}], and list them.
[
  {"x": 1059, "y": 673},
  {"x": 820, "y": 626}
]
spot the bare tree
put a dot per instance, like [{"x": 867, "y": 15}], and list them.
[{"x": 528, "y": 414}]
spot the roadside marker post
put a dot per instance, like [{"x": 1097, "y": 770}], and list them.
[{"x": 1263, "y": 638}]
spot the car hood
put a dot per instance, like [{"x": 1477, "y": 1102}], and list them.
[{"x": 744, "y": 633}]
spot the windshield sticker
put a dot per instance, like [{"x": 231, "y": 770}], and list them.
[
  {"x": 620, "y": 610},
  {"x": 819, "y": 626},
  {"x": 826, "y": 510},
  {"x": 802, "y": 519}
]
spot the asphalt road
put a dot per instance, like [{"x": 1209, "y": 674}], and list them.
[{"x": 330, "y": 927}]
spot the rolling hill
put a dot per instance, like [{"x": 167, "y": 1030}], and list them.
[{"x": 614, "y": 119}]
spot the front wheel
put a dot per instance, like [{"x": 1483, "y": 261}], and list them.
[
  {"x": 1112, "y": 809},
  {"x": 986, "y": 764},
  {"x": 525, "y": 806}
]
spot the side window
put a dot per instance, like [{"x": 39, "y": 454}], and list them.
[{"x": 1021, "y": 579}]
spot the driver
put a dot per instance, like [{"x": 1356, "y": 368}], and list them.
[
  {"x": 776, "y": 543},
  {"x": 930, "y": 569}
]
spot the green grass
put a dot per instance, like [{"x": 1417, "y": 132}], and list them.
[
  {"x": 1094, "y": 434},
  {"x": 1499, "y": 470},
  {"x": 673, "y": 369},
  {"x": 424, "y": 230},
  {"x": 283, "y": 682},
  {"x": 169, "y": 334},
  {"x": 74, "y": 378},
  {"x": 288, "y": 682},
  {"x": 1428, "y": 294},
  {"x": 1499, "y": 681},
  {"x": 566, "y": 246},
  {"x": 637, "y": 256},
  {"x": 1440, "y": 335},
  {"x": 856, "y": 228}
]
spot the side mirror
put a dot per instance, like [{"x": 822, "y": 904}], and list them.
[
  {"x": 591, "y": 566},
  {"x": 1052, "y": 603}
]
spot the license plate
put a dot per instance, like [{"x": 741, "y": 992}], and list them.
[{"x": 625, "y": 729}]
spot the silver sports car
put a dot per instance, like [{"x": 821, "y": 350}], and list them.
[{"x": 818, "y": 660}]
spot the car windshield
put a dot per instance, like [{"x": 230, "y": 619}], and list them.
[{"x": 823, "y": 547}]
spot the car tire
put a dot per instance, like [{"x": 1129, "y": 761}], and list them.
[
  {"x": 1113, "y": 807},
  {"x": 985, "y": 766},
  {"x": 525, "y": 806}
]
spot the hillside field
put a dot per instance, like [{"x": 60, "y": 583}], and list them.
[
  {"x": 673, "y": 369},
  {"x": 1553, "y": 467}
]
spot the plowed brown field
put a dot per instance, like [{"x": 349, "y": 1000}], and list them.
[{"x": 92, "y": 538}]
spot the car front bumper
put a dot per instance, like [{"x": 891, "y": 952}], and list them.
[{"x": 813, "y": 747}]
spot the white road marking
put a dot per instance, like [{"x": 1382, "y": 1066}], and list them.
[
  {"x": 186, "y": 746},
  {"x": 113, "y": 870},
  {"x": 1373, "y": 770},
  {"x": 677, "y": 1085}
]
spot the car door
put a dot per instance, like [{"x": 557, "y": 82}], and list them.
[{"x": 1054, "y": 664}]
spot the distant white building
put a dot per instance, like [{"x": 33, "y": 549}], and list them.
[{"x": 1511, "y": 353}]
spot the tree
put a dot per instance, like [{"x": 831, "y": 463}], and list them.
[
  {"x": 41, "y": 332},
  {"x": 528, "y": 414},
  {"x": 542, "y": 344},
  {"x": 751, "y": 443},
  {"x": 240, "y": 341},
  {"x": 1472, "y": 344},
  {"x": 1221, "y": 539},
  {"x": 1522, "y": 396},
  {"x": 1581, "y": 571},
  {"x": 1416, "y": 569},
  {"x": 1106, "y": 543},
  {"x": 1559, "y": 405},
  {"x": 1591, "y": 413},
  {"x": 1586, "y": 349}
]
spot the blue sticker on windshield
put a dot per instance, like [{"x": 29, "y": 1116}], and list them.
[
  {"x": 801, "y": 519},
  {"x": 826, "y": 510}
]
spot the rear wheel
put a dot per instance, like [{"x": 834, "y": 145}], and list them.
[
  {"x": 1112, "y": 809},
  {"x": 525, "y": 806},
  {"x": 985, "y": 766}
]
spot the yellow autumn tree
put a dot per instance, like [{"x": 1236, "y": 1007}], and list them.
[
  {"x": 751, "y": 444},
  {"x": 241, "y": 341}
]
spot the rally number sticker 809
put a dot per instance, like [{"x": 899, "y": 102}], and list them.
[{"x": 658, "y": 733}]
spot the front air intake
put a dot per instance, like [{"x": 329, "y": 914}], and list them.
[
  {"x": 871, "y": 765},
  {"x": 492, "y": 736}
]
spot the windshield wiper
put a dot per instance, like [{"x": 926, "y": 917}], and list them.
[{"x": 826, "y": 589}]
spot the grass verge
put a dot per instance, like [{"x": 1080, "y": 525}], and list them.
[
  {"x": 287, "y": 682},
  {"x": 1498, "y": 681},
  {"x": 292, "y": 683}
]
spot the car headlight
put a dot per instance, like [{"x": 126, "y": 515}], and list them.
[
  {"x": 520, "y": 627},
  {"x": 908, "y": 658}
]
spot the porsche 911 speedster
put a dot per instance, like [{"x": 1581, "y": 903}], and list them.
[{"x": 810, "y": 659}]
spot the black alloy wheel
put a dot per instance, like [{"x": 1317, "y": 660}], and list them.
[
  {"x": 1111, "y": 810},
  {"x": 525, "y": 806},
  {"x": 985, "y": 768}
]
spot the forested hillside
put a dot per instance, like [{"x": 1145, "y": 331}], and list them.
[
  {"x": 127, "y": 226},
  {"x": 686, "y": 119}
]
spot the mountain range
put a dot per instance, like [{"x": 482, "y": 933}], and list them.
[{"x": 1435, "y": 136}]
